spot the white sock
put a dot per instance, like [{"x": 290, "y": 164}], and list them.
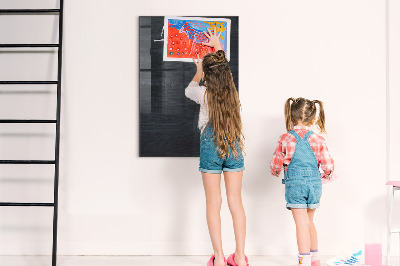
[
  {"x": 305, "y": 260},
  {"x": 314, "y": 255}
]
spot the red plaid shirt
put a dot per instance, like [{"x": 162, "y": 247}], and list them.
[{"x": 287, "y": 144}]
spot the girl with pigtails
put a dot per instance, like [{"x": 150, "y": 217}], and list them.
[{"x": 302, "y": 154}]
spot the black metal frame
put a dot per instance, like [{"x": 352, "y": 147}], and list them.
[{"x": 56, "y": 161}]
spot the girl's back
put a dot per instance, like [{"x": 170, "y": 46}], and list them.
[{"x": 287, "y": 146}]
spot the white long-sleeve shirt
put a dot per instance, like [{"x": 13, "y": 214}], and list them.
[{"x": 196, "y": 93}]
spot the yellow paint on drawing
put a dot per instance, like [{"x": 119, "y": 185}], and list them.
[{"x": 219, "y": 26}]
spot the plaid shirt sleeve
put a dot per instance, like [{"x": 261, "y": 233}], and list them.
[
  {"x": 278, "y": 157},
  {"x": 325, "y": 160}
]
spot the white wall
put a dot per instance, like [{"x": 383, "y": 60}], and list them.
[
  {"x": 394, "y": 110},
  {"x": 113, "y": 202}
]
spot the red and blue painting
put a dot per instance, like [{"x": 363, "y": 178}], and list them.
[{"x": 183, "y": 37}]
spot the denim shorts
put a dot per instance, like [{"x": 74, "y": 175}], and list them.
[
  {"x": 210, "y": 160},
  {"x": 303, "y": 193}
]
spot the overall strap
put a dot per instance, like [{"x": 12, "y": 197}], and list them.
[
  {"x": 308, "y": 134},
  {"x": 294, "y": 133},
  {"x": 303, "y": 164}
]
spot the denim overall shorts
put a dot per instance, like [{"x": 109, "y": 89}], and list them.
[
  {"x": 211, "y": 162},
  {"x": 303, "y": 186}
]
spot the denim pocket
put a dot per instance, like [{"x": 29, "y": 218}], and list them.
[
  {"x": 293, "y": 190},
  {"x": 317, "y": 187}
]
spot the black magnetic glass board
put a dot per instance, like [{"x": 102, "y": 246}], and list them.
[{"x": 168, "y": 120}]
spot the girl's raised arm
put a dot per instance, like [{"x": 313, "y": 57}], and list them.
[{"x": 199, "y": 67}]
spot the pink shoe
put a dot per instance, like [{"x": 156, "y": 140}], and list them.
[
  {"x": 231, "y": 260},
  {"x": 316, "y": 263},
  {"x": 211, "y": 261}
]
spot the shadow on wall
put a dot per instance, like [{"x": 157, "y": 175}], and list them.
[
  {"x": 375, "y": 213},
  {"x": 375, "y": 220},
  {"x": 263, "y": 193},
  {"x": 186, "y": 211}
]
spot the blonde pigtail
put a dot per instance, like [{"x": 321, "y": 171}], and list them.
[
  {"x": 288, "y": 114},
  {"x": 321, "y": 116}
]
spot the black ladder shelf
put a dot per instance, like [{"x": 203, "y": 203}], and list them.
[{"x": 57, "y": 82}]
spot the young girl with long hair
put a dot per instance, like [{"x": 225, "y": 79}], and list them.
[
  {"x": 221, "y": 145},
  {"x": 302, "y": 153}
]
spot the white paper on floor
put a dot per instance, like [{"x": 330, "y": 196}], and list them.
[{"x": 351, "y": 258}]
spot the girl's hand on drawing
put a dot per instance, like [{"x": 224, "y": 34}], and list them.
[
  {"x": 213, "y": 39},
  {"x": 199, "y": 72}
]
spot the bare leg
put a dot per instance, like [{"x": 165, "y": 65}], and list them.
[
  {"x": 212, "y": 188},
  {"x": 233, "y": 183},
  {"x": 302, "y": 221},
  {"x": 313, "y": 230}
]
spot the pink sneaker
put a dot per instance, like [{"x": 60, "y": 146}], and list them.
[
  {"x": 231, "y": 260},
  {"x": 211, "y": 261},
  {"x": 316, "y": 263}
]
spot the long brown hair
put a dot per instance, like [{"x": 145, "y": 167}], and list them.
[
  {"x": 303, "y": 110},
  {"x": 223, "y": 104}
]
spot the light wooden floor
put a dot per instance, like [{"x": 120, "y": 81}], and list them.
[
  {"x": 135, "y": 260},
  {"x": 145, "y": 260}
]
